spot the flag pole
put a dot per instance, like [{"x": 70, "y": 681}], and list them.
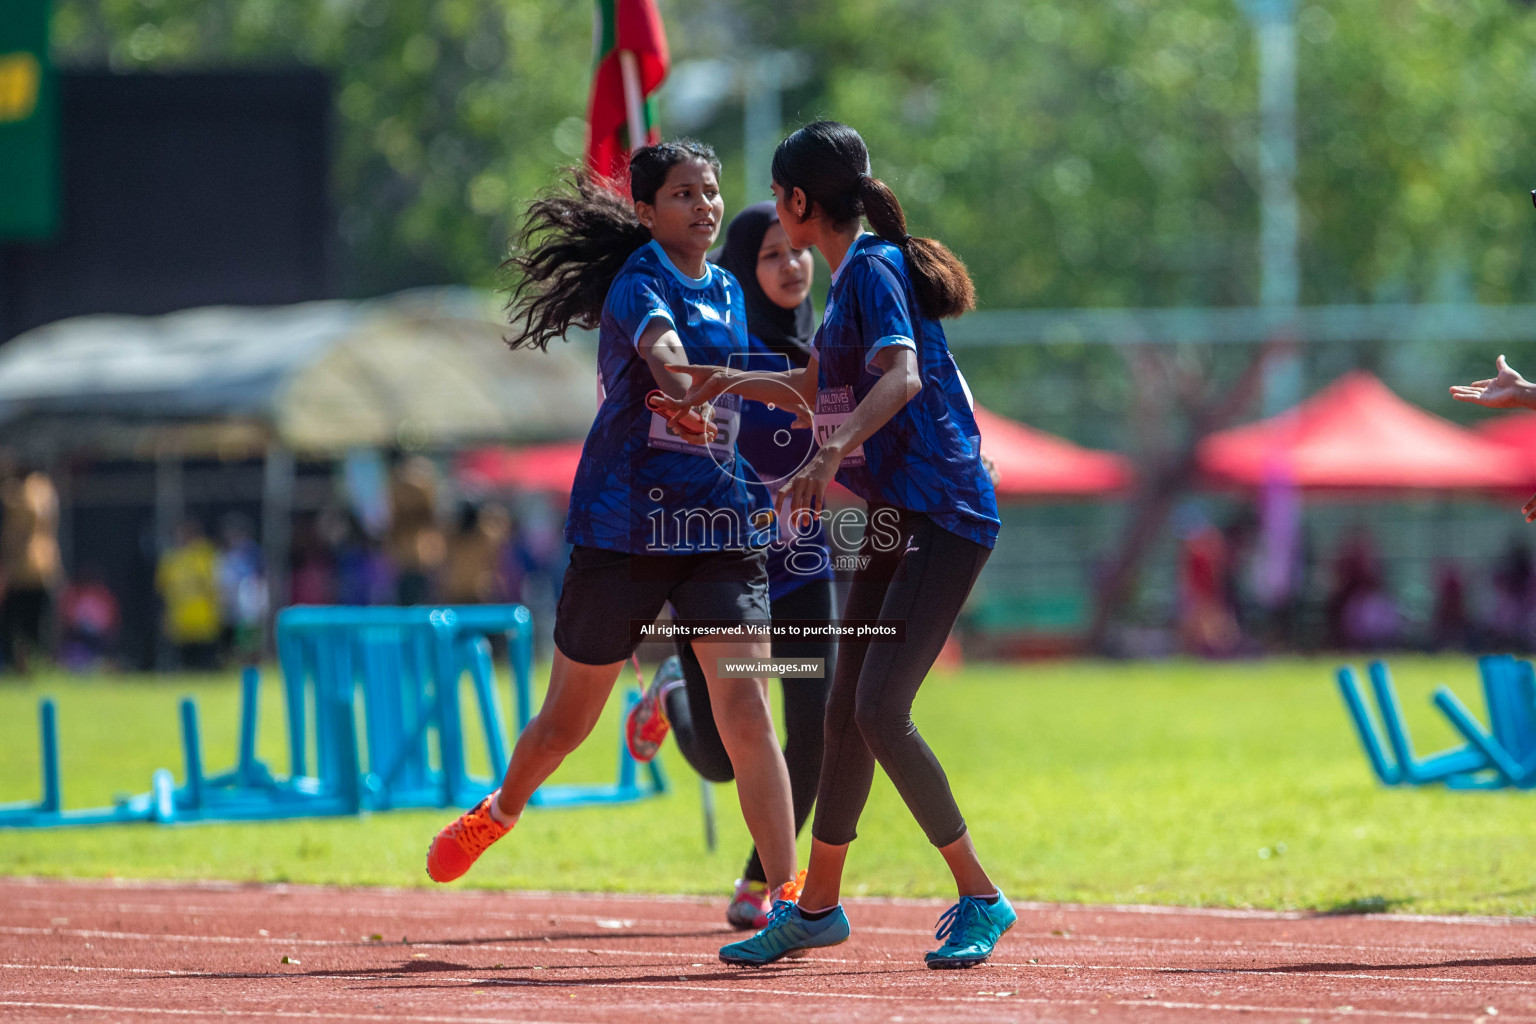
[{"x": 634, "y": 102}]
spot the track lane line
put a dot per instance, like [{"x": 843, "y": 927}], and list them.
[
  {"x": 804, "y": 965},
  {"x": 1145, "y": 909},
  {"x": 1001, "y": 1003},
  {"x": 269, "y": 1014},
  {"x": 693, "y": 926}
]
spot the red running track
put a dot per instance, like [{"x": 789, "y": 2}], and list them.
[{"x": 102, "y": 951}]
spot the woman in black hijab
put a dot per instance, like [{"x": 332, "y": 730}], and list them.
[{"x": 776, "y": 280}]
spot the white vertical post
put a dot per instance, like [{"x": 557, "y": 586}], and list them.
[
  {"x": 170, "y": 500},
  {"x": 1274, "y": 26},
  {"x": 63, "y": 485},
  {"x": 634, "y": 102},
  {"x": 276, "y": 513},
  {"x": 170, "y": 510},
  {"x": 762, "y": 121}
]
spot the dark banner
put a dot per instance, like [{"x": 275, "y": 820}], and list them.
[
  {"x": 178, "y": 190},
  {"x": 28, "y": 124}
]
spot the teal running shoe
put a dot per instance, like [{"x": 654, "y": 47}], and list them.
[
  {"x": 969, "y": 930},
  {"x": 787, "y": 934}
]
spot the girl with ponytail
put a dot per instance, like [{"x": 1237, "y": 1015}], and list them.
[
  {"x": 659, "y": 511},
  {"x": 893, "y": 418},
  {"x": 776, "y": 279}
]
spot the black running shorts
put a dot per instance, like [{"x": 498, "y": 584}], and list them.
[{"x": 607, "y": 594}]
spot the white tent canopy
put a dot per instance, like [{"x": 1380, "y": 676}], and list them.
[{"x": 422, "y": 369}]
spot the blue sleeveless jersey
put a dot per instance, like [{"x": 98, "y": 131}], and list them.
[
  {"x": 927, "y": 457},
  {"x": 630, "y": 495}
]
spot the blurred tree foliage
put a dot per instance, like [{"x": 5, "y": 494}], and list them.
[
  {"x": 449, "y": 113},
  {"x": 1105, "y": 154},
  {"x": 1073, "y": 154}
]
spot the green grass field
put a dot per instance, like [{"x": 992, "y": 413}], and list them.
[{"x": 1235, "y": 784}]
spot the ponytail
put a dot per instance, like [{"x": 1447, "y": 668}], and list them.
[
  {"x": 829, "y": 162},
  {"x": 576, "y": 238},
  {"x": 942, "y": 284}
]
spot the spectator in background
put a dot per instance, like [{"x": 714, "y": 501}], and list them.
[
  {"x": 1206, "y": 623},
  {"x": 29, "y": 563},
  {"x": 363, "y": 574},
  {"x": 542, "y": 548},
  {"x": 516, "y": 561},
  {"x": 1450, "y": 627},
  {"x": 1240, "y": 538},
  {"x": 472, "y": 571},
  {"x": 1354, "y": 571},
  {"x": 1510, "y": 614},
  {"x": 188, "y": 581},
  {"x": 1361, "y": 613},
  {"x": 242, "y": 590},
  {"x": 89, "y": 618},
  {"x": 414, "y": 542},
  {"x": 312, "y": 572},
  {"x": 1372, "y": 621}
]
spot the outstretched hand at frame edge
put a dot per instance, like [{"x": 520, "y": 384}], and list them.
[{"x": 1507, "y": 390}]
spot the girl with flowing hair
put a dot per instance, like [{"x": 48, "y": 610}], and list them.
[{"x": 659, "y": 512}]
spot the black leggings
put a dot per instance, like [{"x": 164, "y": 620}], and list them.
[
  {"x": 922, "y": 582},
  {"x": 805, "y": 702}
]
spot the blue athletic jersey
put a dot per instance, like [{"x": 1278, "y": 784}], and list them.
[
  {"x": 629, "y": 494},
  {"x": 927, "y": 457},
  {"x": 777, "y": 452}
]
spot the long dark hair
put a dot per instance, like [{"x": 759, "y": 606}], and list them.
[
  {"x": 829, "y": 162},
  {"x": 575, "y": 239}
]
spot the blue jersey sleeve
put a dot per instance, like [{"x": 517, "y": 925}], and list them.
[
  {"x": 884, "y": 312},
  {"x": 635, "y": 300}
]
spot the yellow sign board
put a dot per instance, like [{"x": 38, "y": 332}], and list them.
[
  {"x": 21, "y": 75},
  {"x": 29, "y": 124}
]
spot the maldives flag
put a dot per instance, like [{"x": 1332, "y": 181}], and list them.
[{"x": 632, "y": 60}]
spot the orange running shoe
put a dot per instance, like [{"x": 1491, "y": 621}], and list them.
[
  {"x": 646, "y": 725},
  {"x": 457, "y": 847}
]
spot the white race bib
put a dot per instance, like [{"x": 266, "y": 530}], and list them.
[
  {"x": 833, "y": 407},
  {"x": 727, "y": 425}
]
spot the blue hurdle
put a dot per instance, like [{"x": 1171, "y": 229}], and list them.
[
  {"x": 1502, "y": 755},
  {"x": 1457, "y": 761},
  {"x": 1510, "y": 745},
  {"x": 403, "y": 667}
]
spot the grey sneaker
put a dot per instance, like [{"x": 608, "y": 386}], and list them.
[{"x": 749, "y": 907}]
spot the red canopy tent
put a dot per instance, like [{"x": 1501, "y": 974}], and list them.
[
  {"x": 539, "y": 467},
  {"x": 1356, "y": 434},
  {"x": 1516, "y": 432},
  {"x": 1030, "y": 463}
]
